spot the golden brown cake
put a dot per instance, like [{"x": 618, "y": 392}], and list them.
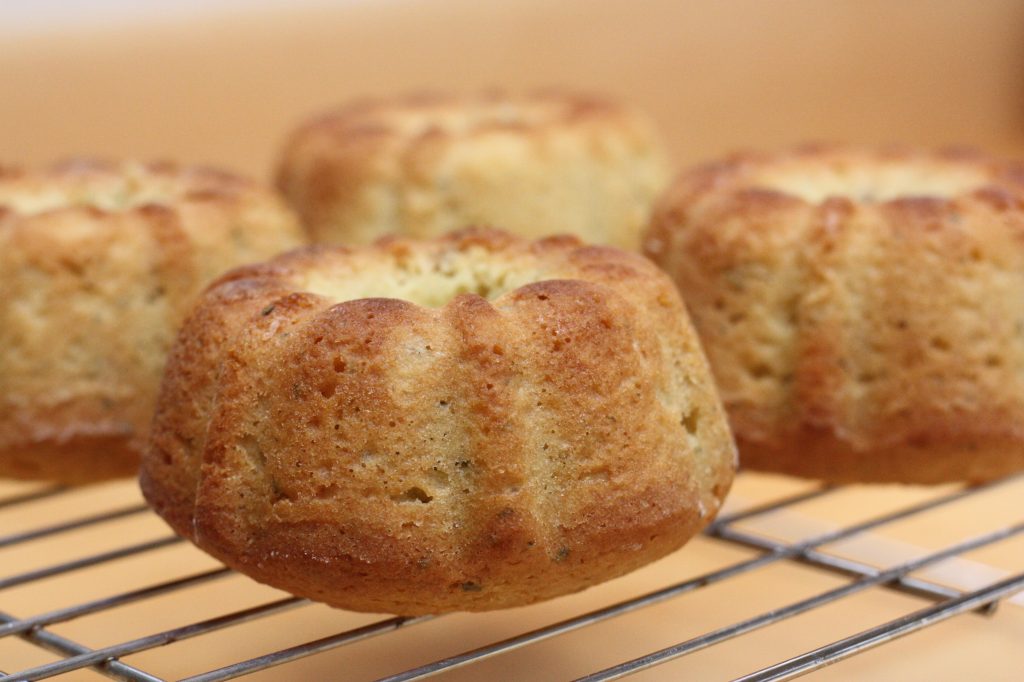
[
  {"x": 98, "y": 264},
  {"x": 468, "y": 423},
  {"x": 862, "y": 310},
  {"x": 426, "y": 164}
]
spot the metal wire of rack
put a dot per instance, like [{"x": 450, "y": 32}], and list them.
[{"x": 942, "y": 601}]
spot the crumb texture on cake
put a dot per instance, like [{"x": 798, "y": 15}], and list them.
[
  {"x": 466, "y": 423},
  {"x": 862, "y": 310},
  {"x": 423, "y": 165},
  {"x": 99, "y": 262}
]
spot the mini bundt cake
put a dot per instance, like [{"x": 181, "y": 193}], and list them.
[
  {"x": 466, "y": 423},
  {"x": 423, "y": 165},
  {"x": 99, "y": 262},
  {"x": 862, "y": 310}
]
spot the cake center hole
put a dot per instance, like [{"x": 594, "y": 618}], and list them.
[
  {"x": 871, "y": 183},
  {"x": 427, "y": 279},
  {"x": 104, "y": 191}
]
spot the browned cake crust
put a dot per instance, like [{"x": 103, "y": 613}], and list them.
[
  {"x": 422, "y": 165},
  {"x": 99, "y": 262},
  {"x": 535, "y": 418},
  {"x": 862, "y": 310}
]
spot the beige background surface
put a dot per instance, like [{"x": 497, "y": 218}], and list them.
[{"x": 717, "y": 76}]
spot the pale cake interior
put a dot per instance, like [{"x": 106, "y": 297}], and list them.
[
  {"x": 460, "y": 116},
  {"x": 32, "y": 195},
  {"x": 871, "y": 183},
  {"x": 427, "y": 279}
]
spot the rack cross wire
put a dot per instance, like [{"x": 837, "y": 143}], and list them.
[{"x": 942, "y": 601}]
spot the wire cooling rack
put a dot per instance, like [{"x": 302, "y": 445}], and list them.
[{"x": 75, "y": 563}]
